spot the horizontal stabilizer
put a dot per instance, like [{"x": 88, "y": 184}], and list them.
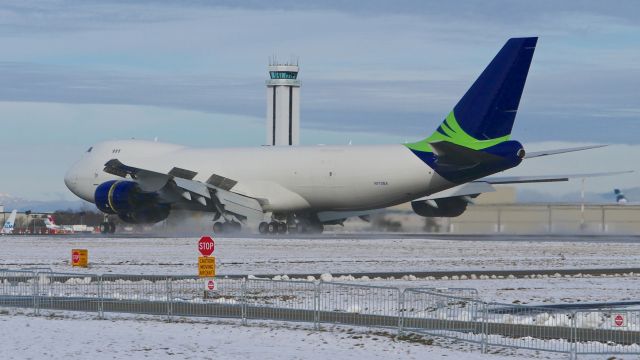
[
  {"x": 560, "y": 151},
  {"x": 546, "y": 178},
  {"x": 451, "y": 154}
]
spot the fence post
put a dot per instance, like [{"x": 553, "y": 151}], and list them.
[
  {"x": 401, "y": 310},
  {"x": 243, "y": 301},
  {"x": 573, "y": 340},
  {"x": 100, "y": 298},
  {"x": 34, "y": 289},
  {"x": 316, "y": 306},
  {"x": 169, "y": 297},
  {"x": 485, "y": 328}
]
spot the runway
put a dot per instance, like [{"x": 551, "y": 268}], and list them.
[{"x": 375, "y": 236}]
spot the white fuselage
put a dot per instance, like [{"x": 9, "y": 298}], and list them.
[{"x": 314, "y": 178}]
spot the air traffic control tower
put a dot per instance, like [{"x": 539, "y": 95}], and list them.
[{"x": 283, "y": 104}]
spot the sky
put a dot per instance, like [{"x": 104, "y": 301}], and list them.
[{"x": 73, "y": 73}]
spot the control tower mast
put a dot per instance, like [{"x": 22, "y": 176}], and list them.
[{"x": 283, "y": 104}]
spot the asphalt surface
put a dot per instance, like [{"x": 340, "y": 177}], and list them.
[{"x": 385, "y": 236}]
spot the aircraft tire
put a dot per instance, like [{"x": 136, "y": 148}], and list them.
[
  {"x": 104, "y": 228},
  {"x": 273, "y": 227},
  {"x": 263, "y": 228},
  {"x": 282, "y": 228},
  {"x": 112, "y": 228},
  {"x": 292, "y": 228},
  {"x": 234, "y": 226}
]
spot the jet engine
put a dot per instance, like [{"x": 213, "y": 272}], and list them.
[
  {"x": 130, "y": 203},
  {"x": 445, "y": 207}
]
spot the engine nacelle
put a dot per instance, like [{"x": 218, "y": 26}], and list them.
[
  {"x": 129, "y": 202},
  {"x": 446, "y": 207}
]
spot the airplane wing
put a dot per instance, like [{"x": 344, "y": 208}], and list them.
[{"x": 178, "y": 186}]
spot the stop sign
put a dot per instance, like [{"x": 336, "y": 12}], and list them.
[
  {"x": 75, "y": 257},
  {"x": 205, "y": 245},
  {"x": 619, "y": 320}
]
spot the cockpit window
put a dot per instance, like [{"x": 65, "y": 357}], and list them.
[{"x": 91, "y": 148}]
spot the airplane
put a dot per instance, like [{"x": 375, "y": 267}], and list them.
[
  {"x": 300, "y": 189},
  {"x": 7, "y": 229},
  {"x": 54, "y": 228},
  {"x": 620, "y": 198}
]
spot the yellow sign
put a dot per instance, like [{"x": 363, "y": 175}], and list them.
[
  {"x": 206, "y": 266},
  {"x": 80, "y": 257}
]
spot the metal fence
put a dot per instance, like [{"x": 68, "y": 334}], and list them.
[{"x": 455, "y": 313}]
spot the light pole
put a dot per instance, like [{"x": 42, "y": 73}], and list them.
[
  {"x": 582, "y": 223},
  {"x": 28, "y": 214}
]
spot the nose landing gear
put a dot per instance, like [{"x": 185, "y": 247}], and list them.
[{"x": 107, "y": 227}]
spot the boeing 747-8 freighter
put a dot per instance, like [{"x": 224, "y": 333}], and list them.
[{"x": 301, "y": 188}]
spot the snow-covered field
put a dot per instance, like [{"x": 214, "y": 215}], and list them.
[
  {"x": 331, "y": 255},
  {"x": 67, "y": 335},
  {"x": 128, "y": 336}
]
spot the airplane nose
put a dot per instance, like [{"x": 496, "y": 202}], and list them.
[
  {"x": 70, "y": 178},
  {"x": 74, "y": 182}
]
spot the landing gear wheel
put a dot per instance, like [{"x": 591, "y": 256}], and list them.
[
  {"x": 112, "y": 227},
  {"x": 273, "y": 227},
  {"x": 234, "y": 226},
  {"x": 263, "y": 228},
  {"x": 282, "y": 228},
  {"x": 218, "y": 228},
  {"x": 104, "y": 228}
]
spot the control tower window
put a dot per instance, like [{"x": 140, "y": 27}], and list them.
[{"x": 283, "y": 74}]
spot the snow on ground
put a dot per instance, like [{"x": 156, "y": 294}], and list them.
[
  {"x": 332, "y": 255},
  {"x": 544, "y": 291},
  {"x": 65, "y": 335},
  {"x": 128, "y": 336}
]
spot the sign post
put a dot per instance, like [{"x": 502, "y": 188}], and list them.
[{"x": 207, "y": 263}]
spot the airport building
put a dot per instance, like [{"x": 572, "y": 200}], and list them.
[{"x": 283, "y": 104}]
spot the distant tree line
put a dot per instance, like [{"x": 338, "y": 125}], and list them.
[{"x": 74, "y": 217}]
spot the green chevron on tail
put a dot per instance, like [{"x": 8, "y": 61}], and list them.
[{"x": 451, "y": 131}]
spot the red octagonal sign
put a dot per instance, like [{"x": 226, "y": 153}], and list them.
[{"x": 206, "y": 245}]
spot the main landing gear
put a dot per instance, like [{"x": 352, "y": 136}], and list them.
[
  {"x": 273, "y": 227},
  {"x": 293, "y": 227},
  {"x": 220, "y": 227}
]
